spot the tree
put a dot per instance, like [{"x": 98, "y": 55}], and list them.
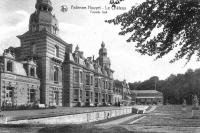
[{"x": 177, "y": 20}]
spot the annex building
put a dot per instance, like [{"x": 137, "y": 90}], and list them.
[
  {"x": 147, "y": 97},
  {"x": 45, "y": 70}
]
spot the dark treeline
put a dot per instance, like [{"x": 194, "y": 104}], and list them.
[{"x": 175, "y": 88}]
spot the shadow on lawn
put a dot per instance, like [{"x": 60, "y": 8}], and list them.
[{"x": 85, "y": 129}]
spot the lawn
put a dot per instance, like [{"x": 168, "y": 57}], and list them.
[
  {"x": 165, "y": 119},
  {"x": 168, "y": 119}
]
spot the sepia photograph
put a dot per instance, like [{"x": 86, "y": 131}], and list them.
[{"x": 99, "y": 66}]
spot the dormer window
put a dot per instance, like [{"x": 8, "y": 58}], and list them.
[
  {"x": 77, "y": 59},
  {"x": 45, "y": 8},
  {"x": 33, "y": 28},
  {"x": 56, "y": 51},
  {"x": 32, "y": 72},
  {"x": 9, "y": 66},
  {"x": 40, "y": 8}
]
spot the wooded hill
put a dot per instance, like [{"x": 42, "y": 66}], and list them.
[{"x": 175, "y": 88}]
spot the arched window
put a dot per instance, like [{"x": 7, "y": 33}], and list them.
[
  {"x": 32, "y": 72},
  {"x": 9, "y": 66},
  {"x": 56, "y": 74}
]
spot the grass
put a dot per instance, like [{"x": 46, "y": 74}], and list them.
[
  {"x": 171, "y": 116},
  {"x": 87, "y": 128},
  {"x": 165, "y": 119},
  {"x": 168, "y": 119}
]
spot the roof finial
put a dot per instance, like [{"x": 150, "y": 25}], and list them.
[
  {"x": 77, "y": 48},
  {"x": 102, "y": 44}
]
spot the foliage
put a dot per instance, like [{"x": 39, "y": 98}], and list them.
[
  {"x": 175, "y": 88},
  {"x": 178, "y": 20}
]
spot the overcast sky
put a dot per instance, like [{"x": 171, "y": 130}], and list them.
[{"x": 88, "y": 30}]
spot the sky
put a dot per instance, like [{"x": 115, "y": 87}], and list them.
[{"x": 87, "y": 30}]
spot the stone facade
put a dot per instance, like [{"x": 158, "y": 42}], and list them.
[
  {"x": 87, "y": 81},
  {"x": 122, "y": 92},
  {"x": 19, "y": 81},
  {"x": 61, "y": 77},
  {"x": 43, "y": 44}
]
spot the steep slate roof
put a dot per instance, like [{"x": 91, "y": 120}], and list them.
[
  {"x": 145, "y": 91},
  {"x": 118, "y": 84},
  {"x": 19, "y": 69}
]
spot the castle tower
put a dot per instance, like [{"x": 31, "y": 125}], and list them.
[
  {"x": 42, "y": 18},
  {"x": 42, "y": 44},
  {"x": 104, "y": 61}
]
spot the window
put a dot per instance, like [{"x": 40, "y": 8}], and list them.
[
  {"x": 34, "y": 28},
  {"x": 32, "y": 95},
  {"x": 91, "y": 81},
  {"x": 87, "y": 79},
  {"x": 87, "y": 96},
  {"x": 96, "y": 97},
  {"x": 45, "y": 8},
  {"x": 76, "y": 59},
  {"x": 76, "y": 76},
  {"x": 55, "y": 97},
  {"x": 33, "y": 49},
  {"x": 81, "y": 77},
  {"x": 32, "y": 71},
  {"x": 81, "y": 93},
  {"x": 104, "y": 84},
  {"x": 56, "y": 51},
  {"x": 87, "y": 93},
  {"x": 110, "y": 86},
  {"x": 91, "y": 96},
  {"x": 56, "y": 74},
  {"x": 109, "y": 98},
  {"x": 9, "y": 92},
  {"x": 96, "y": 82},
  {"x": 104, "y": 98},
  {"x": 100, "y": 83},
  {"x": 76, "y": 95},
  {"x": 9, "y": 66}
]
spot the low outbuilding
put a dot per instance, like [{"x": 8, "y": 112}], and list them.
[{"x": 147, "y": 96}]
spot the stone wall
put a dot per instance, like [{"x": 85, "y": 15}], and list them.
[{"x": 75, "y": 118}]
